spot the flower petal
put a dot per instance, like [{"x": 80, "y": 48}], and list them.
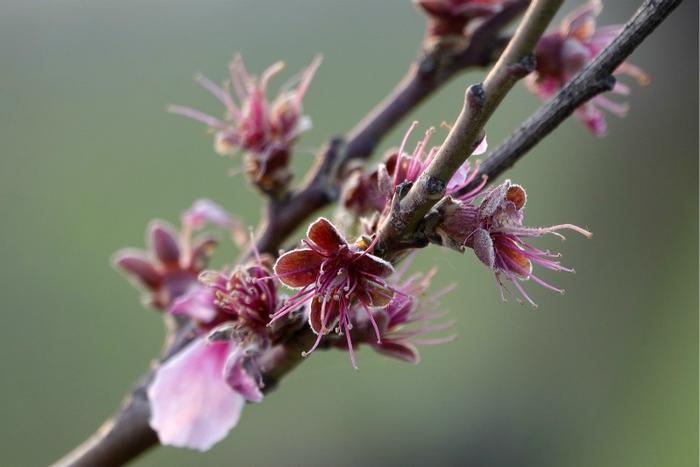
[
  {"x": 483, "y": 247},
  {"x": 376, "y": 295},
  {"x": 374, "y": 265},
  {"x": 320, "y": 315},
  {"x": 400, "y": 349},
  {"x": 205, "y": 211},
  {"x": 580, "y": 23},
  {"x": 197, "y": 303},
  {"x": 324, "y": 234},
  {"x": 298, "y": 268},
  {"x": 192, "y": 406},
  {"x": 240, "y": 380},
  {"x": 493, "y": 199},
  {"x": 137, "y": 265},
  {"x": 163, "y": 240},
  {"x": 517, "y": 195}
]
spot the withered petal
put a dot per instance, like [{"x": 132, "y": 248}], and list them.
[
  {"x": 324, "y": 234},
  {"x": 298, "y": 268}
]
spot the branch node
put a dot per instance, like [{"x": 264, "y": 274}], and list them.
[
  {"x": 434, "y": 187},
  {"x": 475, "y": 96},
  {"x": 524, "y": 67},
  {"x": 606, "y": 83}
]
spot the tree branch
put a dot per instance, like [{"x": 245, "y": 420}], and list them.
[
  {"x": 595, "y": 78},
  {"x": 479, "y": 104},
  {"x": 436, "y": 65},
  {"x": 128, "y": 434}
]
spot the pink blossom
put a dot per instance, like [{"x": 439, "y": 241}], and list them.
[
  {"x": 264, "y": 129},
  {"x": 495, "y": 231},
  {"x": 170, "y": 266},
  {"x": 450, "y": 17},
  {"x": 197, "y": 396},
  {"x": 333, "y": 274},
  {"x": 563, "y": 53}
]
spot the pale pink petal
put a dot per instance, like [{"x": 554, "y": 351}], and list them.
[
  {"x": 481, "y": 148},
  {"x": 197, "y": 303},
  {"x": 192, "y": 406},
  {"x": 206, "y": 211},
  {"x": 240, "y": 380}
]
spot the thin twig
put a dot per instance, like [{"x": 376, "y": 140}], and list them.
[{"x": 595, "y": 78}]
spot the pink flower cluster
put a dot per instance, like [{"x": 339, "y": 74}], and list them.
[
  {"x": 264, "y": 130},
  {"x": 494, "y": 230}
]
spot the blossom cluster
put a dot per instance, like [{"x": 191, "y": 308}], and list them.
[{"x": 346, "y": 295}]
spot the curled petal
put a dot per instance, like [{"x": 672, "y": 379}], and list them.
[
  {"x": 399, "y": 349},
  {"x": 323, "y": 315},
  {"x": 137, "y": 265},
  {"x": 298, "y": 268},
  {"x": 374, "y": 265},
  {"x": 483, "y": 247},
  {"x": 517, "y": 195},
  {"x": 192, "y": 405},
  {"x": 324, "y": 234},
  {"x": 164, "y": 242},
  {"x": 197, "y": 303},
  {"x": 240, "y": 380}
]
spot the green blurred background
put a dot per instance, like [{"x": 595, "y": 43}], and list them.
[{"x": 606, "y": 375}]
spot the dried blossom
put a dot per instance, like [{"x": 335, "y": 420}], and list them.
[
  {"x": 197, "y": 396},
  {"x": 333, "y": 275},
  {"x": 170, "y": 266},
  {"x": 368, "y": 193},
  {"x": 265, "y": 130},
  {"x": 562, "y": 53},
  {"x": 494, "y": 230}
]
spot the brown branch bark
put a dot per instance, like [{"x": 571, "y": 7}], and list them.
[
  {"x": 127, "y": 435},
  {"x": 595, "y": 78}
]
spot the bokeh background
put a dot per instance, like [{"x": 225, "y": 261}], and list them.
[{"x": 606, "y": 375}]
